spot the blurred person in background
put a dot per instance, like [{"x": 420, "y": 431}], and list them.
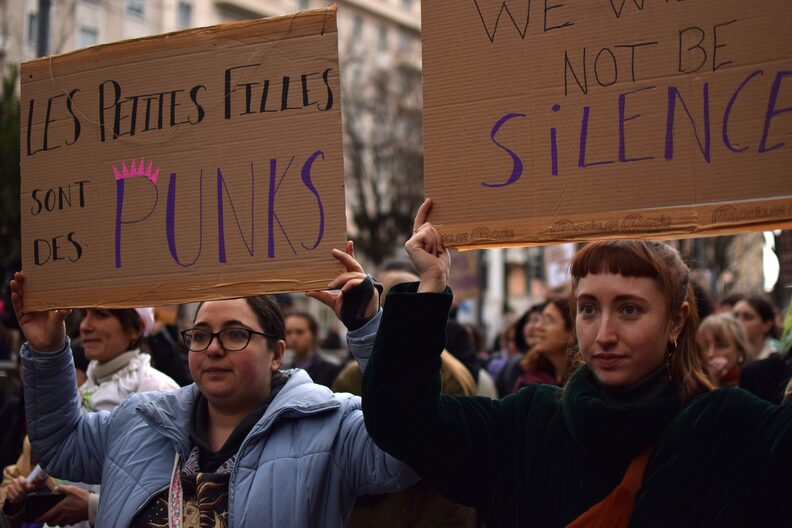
[
  {"x": 526, "y": 335},
  {"x": 459, "y": 344},
  {"x": 703, "y": 303},
  {"x": 117, "y": 368},
  {"x": 163, "y": 344},
  {"x": 725, "y": 346},
  {"x": 12, "y": 416},
  {"x": 302, "y": 336},
  {"x": 727, "y": 302},
  {"x": 332, "y": 337},
  {"x": 6, "y": 343},
  {"x": 758, "y": 316},
  {"x": 768, "y": 378},
  {"x": 548, "y": 359},
  {"x": 479, "y": 344},
  {"x": 486, "y": 385},
  {"x": 503, "y": 348}
]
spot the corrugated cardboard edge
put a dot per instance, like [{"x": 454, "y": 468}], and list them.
[
  {"x": 80, "y": 298},
  {"x": 320, "y": 21},
  {"x": 647, "y": 224}
]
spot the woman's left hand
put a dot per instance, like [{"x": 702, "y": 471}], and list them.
[
  {"x": 344, "y": 283},
  {"x": 71, "y": 510}
]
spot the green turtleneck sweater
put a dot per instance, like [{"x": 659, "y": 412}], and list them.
[{"x": 543, "y": 456}]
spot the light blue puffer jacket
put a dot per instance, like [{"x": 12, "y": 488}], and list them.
[{"x": 302, "y": 465}]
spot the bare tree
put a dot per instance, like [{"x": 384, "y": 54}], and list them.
[{"x": 383, "y": 148}]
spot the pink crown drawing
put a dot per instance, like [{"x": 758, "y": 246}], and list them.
[{"x": 137, "y": 170}]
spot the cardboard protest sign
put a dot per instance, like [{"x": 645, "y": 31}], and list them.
[
  {"x": 566, "y": 120},
  {"x": 201, "y": 164}
]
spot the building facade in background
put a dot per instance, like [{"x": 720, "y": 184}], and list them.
[{"x": 376, "y": 26}]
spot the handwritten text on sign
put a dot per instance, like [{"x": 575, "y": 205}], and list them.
[
  {"x": 142, "y": 190},
  {"x": 574, "y": 117}
]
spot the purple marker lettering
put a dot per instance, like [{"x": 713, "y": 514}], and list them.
[
  {"x": 306, "y": 179},
  {"x": 773, "y": 112},
  {"x": 120, "y": 191},
  {"x": 622, "y": 120},
  {"x": 517, "y": 162},
  {"x": 554, "y": 146},
  {"x": 673, "y": 94},
  {"x": 170, "y": 220},
  {"x": 727, "y": 113}
]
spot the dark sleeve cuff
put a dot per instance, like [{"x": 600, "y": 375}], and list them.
[{"x": 412, "y": 287}]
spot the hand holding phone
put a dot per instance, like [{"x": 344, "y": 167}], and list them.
[
  {"x": 39, "y": 503},
  {"x": 70, "y": 508}
]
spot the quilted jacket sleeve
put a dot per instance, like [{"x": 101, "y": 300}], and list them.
[
  {"x": 368, "y": 469},
  {"x": 67, "y": 443},
  {"x": 361, "y": 341}
]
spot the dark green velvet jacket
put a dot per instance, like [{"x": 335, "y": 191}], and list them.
[{"x": 543, "y": 456}]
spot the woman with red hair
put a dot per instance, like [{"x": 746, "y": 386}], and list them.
[{"x": 637, "y": 437}]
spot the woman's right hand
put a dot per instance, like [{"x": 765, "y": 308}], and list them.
[
  {"x": 352, "y": 303},
  {"x": 45, "y": 331},
  {"x": 18, "y": 489},
  {"x": 432, "y": 260}
]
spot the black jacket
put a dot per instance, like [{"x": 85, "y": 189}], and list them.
[{"x": 543, "y": 456}]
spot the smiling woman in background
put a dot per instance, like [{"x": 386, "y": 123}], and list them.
[
  {"x": 547, "y": 361},
  {"x": 111, "y": 340}
]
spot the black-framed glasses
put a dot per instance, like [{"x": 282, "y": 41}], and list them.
[{"x": 231, "y": 339}]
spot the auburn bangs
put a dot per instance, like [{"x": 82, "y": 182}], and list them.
[{"x": 624, "y": 257}]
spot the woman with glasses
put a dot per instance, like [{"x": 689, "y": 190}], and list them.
[
  {"x": 245, "y": 445},
  {"x": 546, "y": 361}
]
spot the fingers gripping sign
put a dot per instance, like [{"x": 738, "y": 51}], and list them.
[
  {"x": 45, "y": 331},
  {"x": 431, "y": 258},
  {"x": 353, "y": 295}
]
